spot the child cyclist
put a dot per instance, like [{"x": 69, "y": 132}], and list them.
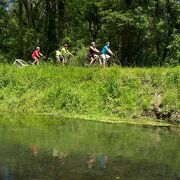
[{"x": 36, "y": 55}]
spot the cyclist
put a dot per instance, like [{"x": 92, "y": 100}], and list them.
[
  {"x": 65, "y": 54},
  {"x": 105, "y": 53},
  {"x": 93, "y": 53},
  {"x": 59, "y": 57},
  {"x": 36, "y": 55}
]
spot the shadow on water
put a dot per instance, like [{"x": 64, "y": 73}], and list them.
[{"x": 42, "y": 148}]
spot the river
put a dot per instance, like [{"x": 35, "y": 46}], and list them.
[{"x": 54, "y": 148}]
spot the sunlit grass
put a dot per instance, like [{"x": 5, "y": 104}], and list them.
[{"x": 102, "y": 92}]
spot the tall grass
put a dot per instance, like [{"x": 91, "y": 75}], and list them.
[{"x": 110, "y": 92}]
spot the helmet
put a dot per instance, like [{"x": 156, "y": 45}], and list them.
[{"x": 92, "y": 43}]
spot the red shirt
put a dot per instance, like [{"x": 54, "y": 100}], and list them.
[{"x": 35, "y": 54}]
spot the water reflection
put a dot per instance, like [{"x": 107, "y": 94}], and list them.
[
  {"x": 5, "y": 172},
  {"x": 34, "y": 150},
  {"x": 59, "y": 155},
  {"x": 91, "y": 161},
  {"x": 103, "y": 160},
  {"x": 97, "y": 159},
  {"x": 84, "y": 150}
]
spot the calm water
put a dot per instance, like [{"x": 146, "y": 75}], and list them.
[{"x": 50, "y": 149}]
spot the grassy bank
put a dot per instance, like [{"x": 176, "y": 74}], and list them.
[{"x": 112, "y": 93}]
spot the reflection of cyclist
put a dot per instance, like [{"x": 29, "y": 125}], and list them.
[
  {"x": 105, "y": 53},
  {"x": 93, "y": 53},
  {"x": 36, "y": 55},
  {"x": 34, "y": 150},
  {"x": 91, "y": 161},
  {"x": 103, "y": 160}
]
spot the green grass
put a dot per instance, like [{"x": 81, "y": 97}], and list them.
[{"x": 104, "y": 93}]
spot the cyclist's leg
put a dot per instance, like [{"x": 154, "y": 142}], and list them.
[
  {"x": 68, "y": 58},
  {"x": 103, "y": 57},
  {"x": 100, "y": 60},
  {"x": 107, "y": 57},
  {"x": 36, "y": 60},
  {"x": 63, "y": 60},
  {"x": 107, "y": 60},
  {"x": 92, "y": 59},
  {"x": 96, "y": 57}
]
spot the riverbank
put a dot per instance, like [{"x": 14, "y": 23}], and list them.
[{"x": 112, "y": 93}]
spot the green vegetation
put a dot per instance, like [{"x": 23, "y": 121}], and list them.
[
  {"x": 142, "y": 33},
  {"x": 91, "y": 93}
]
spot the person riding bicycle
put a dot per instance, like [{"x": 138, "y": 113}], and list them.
[
  {"x": 105, "y": 53},
  {"x": 93, "y": 53},
  {"x": 65, "y": 54},
  {"x": 59, "y": 57},
  {"x": 36, "y": 55}
]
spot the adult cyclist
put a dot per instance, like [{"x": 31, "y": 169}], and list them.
[
  {"x": 105, "y": 53},
  {"x": 93, "y": 53}
]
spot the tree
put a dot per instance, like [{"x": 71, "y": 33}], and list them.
[{"x": 141, "y": 32}]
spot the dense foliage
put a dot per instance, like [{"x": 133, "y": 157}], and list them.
[
  {"x": 141, "y": 32},
  {"x": 100, "y": 92}
]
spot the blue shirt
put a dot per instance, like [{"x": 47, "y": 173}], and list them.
[{"x": 105, "y": 49}]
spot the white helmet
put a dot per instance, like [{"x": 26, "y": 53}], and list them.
[{"x": 93, "y": 43}]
